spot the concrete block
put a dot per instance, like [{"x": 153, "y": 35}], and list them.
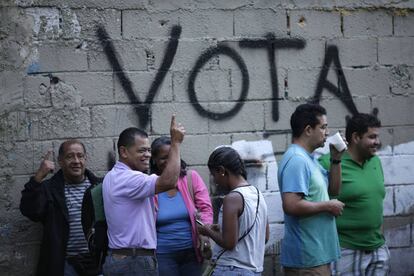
[
  {"x": 302, "y": 83},
  {"x": 337, "y": 111},
  {"x": 186, "y": 114},
  {"x": 388, "y": 203},
  {"x": 210, "y": 85},
  {"x": 367, "y": 23},
  {"x": 132, "y": 55},
  {"x": 403, "y": 134},
  {"x": 36, "y": 91},
  {"x": 400, "y": 262},
  {"x": 258, "y": 22},
  {"x": 285, "y": 110},
  {"x": 103, "y": 4},
  {"x": 207, "y": 24},
  {"x": 11, "y": 91},
  {"x": 253, "y": 58},
  {"x": 404, "y": 149},
  {"x": 403, "y": 24},
  {"x": 368, "y": 82},
  {"x": 401, "y": 80},
  {"x": 94, "y": 88},
  {"x": 187, "y": 54},
  {"x": 159, "y": 5},
  {"x": 90, "y": 19},
  {"x": 14, "y": 126},
  {"x": 263, "y": 175},
  {"x": 23, "y": 261},
  {"x": 397, "y": 231},
  {"x": 60, "y": 123},
  {"x": 197, "y": 149},
  {"x": 274, "y": 207},
  {"x": 388, "y": 106},
  {"x": 277, "y": 231},
  {"x": 386, "y": 136},
  {"x": 248, "y": 118},
  {"x": 157, "y": 24},
  {"x": 61, "y": 57},
  {"x": 311, "y": 23},
  {"x": 16, "y": 185},
  {"x": 64, "y": 95},
  {"x": 26, "y": 157},
  {"x": 396, "y": 50},
  {"x": 398, "y": 169},
  {"x": 311, "y": 56},
  {"x": 366, "y": 55},
  {"x": 404, "y": 200},
  {"x": 111, "y": 120},
  {"x": 45, "y": 22},
  {"x": 98, "y": 152},
  {"x": 141, "y": 84}
]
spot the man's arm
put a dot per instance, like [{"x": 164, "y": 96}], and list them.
[
  {"x": 168, "y": 179},
  {"x": 33, "y": 202},
  {"x": 335, "y": 172},
  {"x": 295, "y": 205}
]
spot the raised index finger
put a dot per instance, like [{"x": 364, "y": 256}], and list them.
[
  {"x": 48, "y": 155},
  {"x": 173, "y": 124}
]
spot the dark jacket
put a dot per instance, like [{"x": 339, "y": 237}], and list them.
[{"x": 45, "y": 202}]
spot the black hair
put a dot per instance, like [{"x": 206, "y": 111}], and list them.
[
  {"x": 360, "y": 123},
  {"x": 155, "y": 147},
  {"x": 67, "y": 143},
  {"x": 229, "y": 158},
  {"x": 305, "y": 115},
  {"x": 127, "y": 137}
]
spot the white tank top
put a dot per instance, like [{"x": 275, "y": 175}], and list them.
[{"x": 249, "y": 252}]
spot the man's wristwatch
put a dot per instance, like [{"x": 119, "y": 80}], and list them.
[{"x": 336, "y": 161}]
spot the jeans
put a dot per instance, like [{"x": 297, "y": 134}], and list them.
[
  {"x": 179, "y": 263},
  {"x": 69, "y": 270},
  {"x": 117, "y": 265},
  {"x": 229, "y": 270}
]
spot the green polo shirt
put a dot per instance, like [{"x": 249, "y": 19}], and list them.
[{"x": 363, "y": 192}]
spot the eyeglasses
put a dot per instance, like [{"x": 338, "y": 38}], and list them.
[{"x": 72, "y": 157}]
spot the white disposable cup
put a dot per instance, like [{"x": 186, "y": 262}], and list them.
[{"x": 338, "y": 142}]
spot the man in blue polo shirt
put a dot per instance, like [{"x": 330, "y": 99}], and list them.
[{"x": 311, "y": 242}]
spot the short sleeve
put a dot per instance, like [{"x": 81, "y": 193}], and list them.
[
  {"x": 296, "y": 176},
  {"x": 141, "y": 185}
]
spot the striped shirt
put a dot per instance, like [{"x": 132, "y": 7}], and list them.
[{"x": 74, "y": 195}]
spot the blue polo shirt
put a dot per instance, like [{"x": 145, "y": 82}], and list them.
[{"x": 313, "y": 240}]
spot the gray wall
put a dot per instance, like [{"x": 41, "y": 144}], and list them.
[{"x": 231, "y": 70}]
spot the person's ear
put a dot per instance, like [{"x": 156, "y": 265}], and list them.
[
  {"x": 221, "y": 170},
  {"x": 308, "y": 130},
  {"x": 123, "y": 152},
  {"x": 355, "y": 137}
]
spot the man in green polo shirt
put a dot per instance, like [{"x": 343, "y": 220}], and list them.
[{"x": 363, "y": 246}]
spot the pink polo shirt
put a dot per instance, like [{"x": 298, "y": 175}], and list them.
[{"x": 129, "y": 208}]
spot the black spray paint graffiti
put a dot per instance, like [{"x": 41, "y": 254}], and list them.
[
  {"x": 143, "y": 109},
  {"x": 269, "y": 43}
]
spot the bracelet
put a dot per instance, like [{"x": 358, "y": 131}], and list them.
[{"x": 336, "y": 161}]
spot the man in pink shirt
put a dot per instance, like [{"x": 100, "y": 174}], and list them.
[{"x": 128, "y": 193}]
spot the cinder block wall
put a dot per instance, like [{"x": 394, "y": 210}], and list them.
[{"x": 231, "y": 70}]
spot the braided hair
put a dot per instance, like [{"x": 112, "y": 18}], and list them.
[{"x": 229, "y": 158}]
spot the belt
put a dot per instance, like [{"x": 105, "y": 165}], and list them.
[{"x": 134, "y": 251}]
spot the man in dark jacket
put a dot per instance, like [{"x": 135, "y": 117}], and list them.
[{"x": 57, "y": 203}]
